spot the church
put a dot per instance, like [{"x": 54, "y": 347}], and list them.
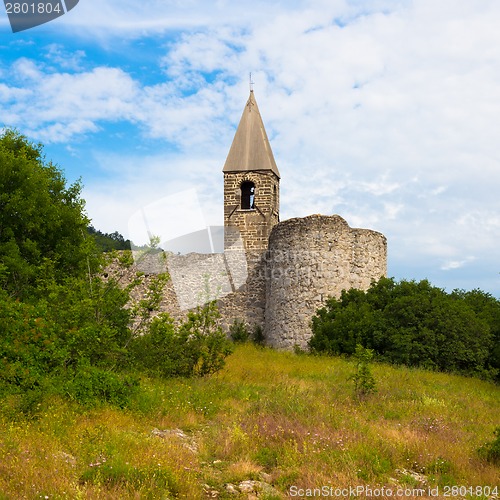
[
  {"x": 271, "y": 274},
  {"x": 294, "y": 265}
]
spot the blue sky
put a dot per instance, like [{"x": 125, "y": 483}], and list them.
[{"x": 385, "y": 112}]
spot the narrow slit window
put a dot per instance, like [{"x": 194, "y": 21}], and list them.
[{"x": 247, "y": 195}]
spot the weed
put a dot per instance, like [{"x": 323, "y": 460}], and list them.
[
  {"x": 491, "y": 450},
  {"x": 290, "y": 419},
  {"x": 364, "y": 382}
]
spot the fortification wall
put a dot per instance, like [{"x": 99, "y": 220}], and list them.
[
  {"x": 248, "y": 303},
  {"x": 310, "y": 259},
  {"x": 126, "y": 271},
  {"x": 196, "y": 278}
]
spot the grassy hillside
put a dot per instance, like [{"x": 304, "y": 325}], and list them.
[{"x": 278, "y": 421}]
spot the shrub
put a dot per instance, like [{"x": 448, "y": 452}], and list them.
[
  {"x": 238, "y": 332},
  {"x": 409, "y": 323},
  {"x": 91, "y": 386},
  {"x": 364, "y": 382},
  {"x": 207, "y": 343},
  {"x": 258, "y": 335},
  {"x": 491, "y": 451},
  {"x": 29, "y": 346},
  {"x": 197, "y": 348}
]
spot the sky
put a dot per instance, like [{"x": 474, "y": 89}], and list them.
[{"x": 386, "y": 112}]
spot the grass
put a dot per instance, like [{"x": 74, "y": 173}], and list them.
[{"x": 285, "y": 419}]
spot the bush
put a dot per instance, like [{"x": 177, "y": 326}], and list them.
[
  {"x": 91, "y": 386},
  {"x": 238, "y": 332},
  {"x": 258, "y": 335},
  {"x": 364, "y": 382},
  {"x": 197, "y": 348},
  {"x": 409, "y": 323},
  {"x": 491, "y": 451},
  {"x": 30, "y": 347}
]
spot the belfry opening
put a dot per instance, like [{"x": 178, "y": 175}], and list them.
[{"x": 247, "y": 195}]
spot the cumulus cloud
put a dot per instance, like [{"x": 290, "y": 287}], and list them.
[
  {"x": 385, "y": 112},
  {"x": 456, "y": 264}
]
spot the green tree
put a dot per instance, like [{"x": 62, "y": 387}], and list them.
[
  {"x": 59, "y": 320},
  {"x": 487, "y": 308},
  {"x": 412, "y": 323},
  {"x": 107, "y": 242},
  {"x": 43, "y": 227}
]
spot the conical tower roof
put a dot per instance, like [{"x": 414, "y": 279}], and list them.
[{"x": 250, "y": 149}]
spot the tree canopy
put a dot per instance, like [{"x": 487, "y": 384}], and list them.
[
  {"x": 43, "y": 226},
  {"x": 413, "y": 323},
  {"x": 63, "y": 326}
]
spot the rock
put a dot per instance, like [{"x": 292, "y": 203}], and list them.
[
  {"x": 254, "y": 489},
  {"x": 421, "y": 479},
  {"x": 187, "y": 441},
  {"x": 231, "y": 489},
  {"x": 265, "y": 477}
]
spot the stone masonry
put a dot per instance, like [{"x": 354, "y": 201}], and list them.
[
  {"x": 272, "y": 274},
  {"x": 309, "y": 260}
]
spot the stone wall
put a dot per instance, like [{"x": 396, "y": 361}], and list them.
[
  {"x": 196, "y": 278},
  {"x": 310, "y": 259},
  {"x": 143, "y": 272},
  {"x": 254, "y": 225}
]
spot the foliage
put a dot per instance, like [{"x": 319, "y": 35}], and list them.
[
  {"x": 413, "y": 323},
  {"x": 142, "y": 310},
  {"x": 43, "y": 225},
  {"x": 64, "y": 328},
  {"x": 197, "y": 348},
  {"x": 487, "y": 308},
  {"x": 364, "y": 382},
  {"x": 107, "y": 242},
  {"x": 258, "y": 335},
  {"x": 72, "y": 341},
  {"x": 238, "y": 332},
  {"x": 29, "y": 346},
  {"x": 210, "y": 344},
  {"x": 91, "y": 385},
  {"x": 491, "y": 451}
]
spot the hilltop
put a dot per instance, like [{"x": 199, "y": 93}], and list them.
[{"x": 270, "y": 421}]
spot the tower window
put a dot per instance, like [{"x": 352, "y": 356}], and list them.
[{"x": 247, "y": 195}]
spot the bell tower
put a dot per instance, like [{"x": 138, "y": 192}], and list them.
[{"x": 251, "y": 184}]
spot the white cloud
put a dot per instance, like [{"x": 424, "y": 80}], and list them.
[
  {"x": 456, "y": 264},
  {"x": 385, "y": 112},
  {"x": 64, "y": 59},
  {"x": 62, "y": 105}
]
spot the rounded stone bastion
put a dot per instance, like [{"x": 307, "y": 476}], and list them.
[{"x": 308, "y": 260}]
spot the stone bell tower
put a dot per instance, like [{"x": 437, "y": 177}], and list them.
[
  {"x": 251, "y": 183},
  {"x": 251, "y": 210}
]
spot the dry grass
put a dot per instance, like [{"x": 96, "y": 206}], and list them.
[{"x": 290, "y": 419}]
